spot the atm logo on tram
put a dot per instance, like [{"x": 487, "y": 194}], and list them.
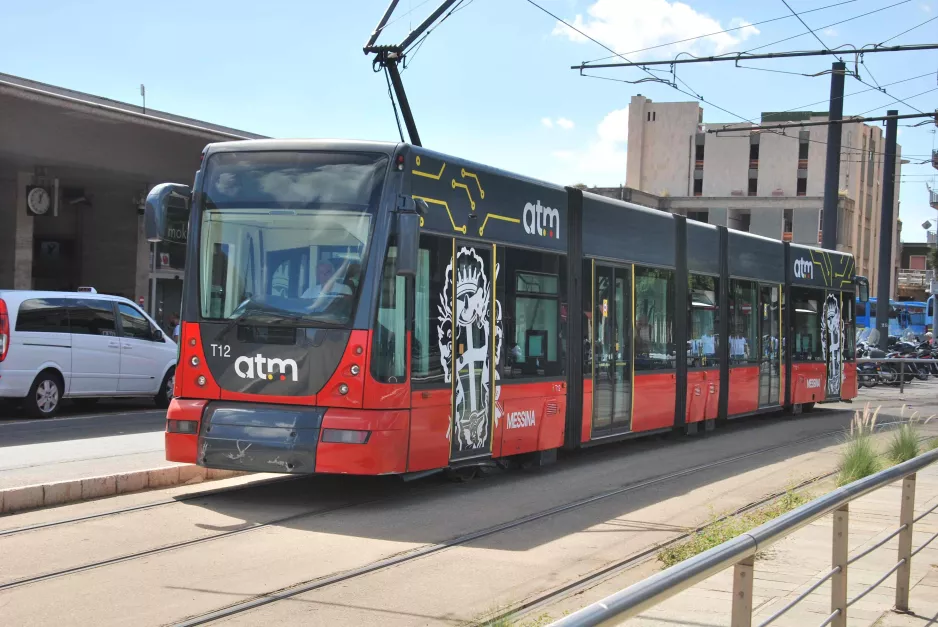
[{"x": 541, "y": 220}]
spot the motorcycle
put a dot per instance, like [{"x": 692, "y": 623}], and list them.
[{"x": 869, "y": 373}]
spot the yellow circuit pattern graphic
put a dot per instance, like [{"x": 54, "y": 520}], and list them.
[
  {"x": 469, "y": 183},
  {"x": 822, "y": 259}
]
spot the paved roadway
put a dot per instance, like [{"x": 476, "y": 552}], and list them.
[
  {"x": 378, "y": 551},
  {"x": 119, "y": 436}
]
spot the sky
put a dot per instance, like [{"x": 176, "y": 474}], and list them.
[{"x": 492, "y": 83}]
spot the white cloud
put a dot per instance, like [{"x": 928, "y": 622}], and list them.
[
  {"x": 563, "y": 123},
  {"x": 626, "y": 26},
  {"x": 926, "y": 7},
  {"x": 602, "y": 161},
  {"x": 830, "y": 32}
]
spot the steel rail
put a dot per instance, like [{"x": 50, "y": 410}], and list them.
[
  {"x": 927, "y": 542},
  {"x": 801, "y": 597},
  {"x": 876, "y": 583},
  {"x": 892, "y": 535},
  {"x": 925, "y": 513}
]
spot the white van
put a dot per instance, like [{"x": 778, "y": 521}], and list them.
[{"x": 80, "y": 345}]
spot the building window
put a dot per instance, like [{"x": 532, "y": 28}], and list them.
[
  {"x": 744, "y": 323},
  {"x": 803, "y": 139},
  {"x": 699, "y": 157},
  {"x": 698, "y": 187},
  {"x": 754, "y": 152},
  {"x": 802, "y": 186},
  {"x": 651, "y": 116},
  {"x": 654, "y": 318},
  {"x": 753, "y": 186},
  {"x": 703, "y": 315},
  {"x": 745, "y": 219},
  {"x": 699, "y": 216}
]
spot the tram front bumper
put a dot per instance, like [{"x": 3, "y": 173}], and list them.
[{"x": 259, "y": 437}]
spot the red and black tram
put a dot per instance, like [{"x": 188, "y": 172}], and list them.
[{"x": 378, "y": 308}]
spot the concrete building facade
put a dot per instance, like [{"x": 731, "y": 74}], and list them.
[
  {"x": 97, "y": 159},
  {"x": 767, "y": 182}
]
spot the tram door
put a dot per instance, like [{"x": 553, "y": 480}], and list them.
[
  {"x": 612, "y": 342},
  {"x": 770, "y": 350},
  {"x": 470, "y": 281}
]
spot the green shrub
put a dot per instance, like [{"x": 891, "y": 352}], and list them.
[{"x": 721, "y": 529}]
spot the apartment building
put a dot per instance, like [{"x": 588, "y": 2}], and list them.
[{"x": 765, "y": 182}]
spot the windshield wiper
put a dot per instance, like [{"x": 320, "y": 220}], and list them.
[{"x": 234, "y": 321}]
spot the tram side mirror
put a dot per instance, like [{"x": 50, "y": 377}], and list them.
[
  {"x": 408, "y": 236},
  {"x": 163, "y": 199},
  {"x": 863, "y": 288}
]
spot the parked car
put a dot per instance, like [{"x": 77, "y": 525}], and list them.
[{"x": 80, "y": 345}]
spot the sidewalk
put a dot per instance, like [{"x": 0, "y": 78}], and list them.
[
  {"x": 795, "y": 563},
  {"x": 89, "y": 457},
  {"x": 55, "y": 473}
]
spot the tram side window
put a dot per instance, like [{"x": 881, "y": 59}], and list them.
[
  {"x": 388, "y": 351},
  {"x": 807, "y": 321},
  {"x": 431, "y": 328},
  {"x": 654, "y": 319},
  {"x": 744, "y": 322},
  {"x": 850, "y": 325},
  {"x": 530, "y": 290},
  {"x": 703, "y": 313}
]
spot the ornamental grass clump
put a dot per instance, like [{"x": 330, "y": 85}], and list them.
[{"x": 859, "y": 458}]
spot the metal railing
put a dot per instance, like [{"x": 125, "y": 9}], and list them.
[
  {"x": 916, "y": 278},
  {"x": 902, "y": 361},
  {"x": 740, "y": 553}
]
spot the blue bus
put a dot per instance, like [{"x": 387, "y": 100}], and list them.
[
  {"x": 903, "y": 315},
  {"x": 930, "y": 314}
]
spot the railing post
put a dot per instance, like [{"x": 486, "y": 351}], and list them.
[
  {"x": 906, "y": 516},
  {"x": 901, "y": 377},
  {"x": 742, "y": 593},
  {"x": 839, "y": 560}
]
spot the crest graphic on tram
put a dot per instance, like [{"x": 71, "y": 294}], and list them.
[
  {"x": 469, "y": 333},
  {"x": 831, "y": 342}
]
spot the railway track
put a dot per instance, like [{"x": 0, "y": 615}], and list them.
[
  {"x": 397, "y": 559},
  {"x": 431, "y": 549}
]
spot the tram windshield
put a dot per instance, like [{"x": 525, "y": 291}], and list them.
[{"x": 284, "y": 235}]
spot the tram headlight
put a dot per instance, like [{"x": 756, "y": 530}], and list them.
[
  {"x": 182, "y": 426},
  {"x": 354, "y": 370},
  {"x": 201, "y": 380},
  {"x": 194, "y": 361},
  {"x": 343, "y": 389}
]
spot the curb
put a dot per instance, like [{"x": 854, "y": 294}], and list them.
[{"x": 23, "y": 498}]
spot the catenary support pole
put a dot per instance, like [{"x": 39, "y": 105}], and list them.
[
  {"x": 832, "y": 169},
  {"x": 884, "y": 276}
]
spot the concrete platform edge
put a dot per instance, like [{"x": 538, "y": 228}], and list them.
[{"x": 23, "y": 498}]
